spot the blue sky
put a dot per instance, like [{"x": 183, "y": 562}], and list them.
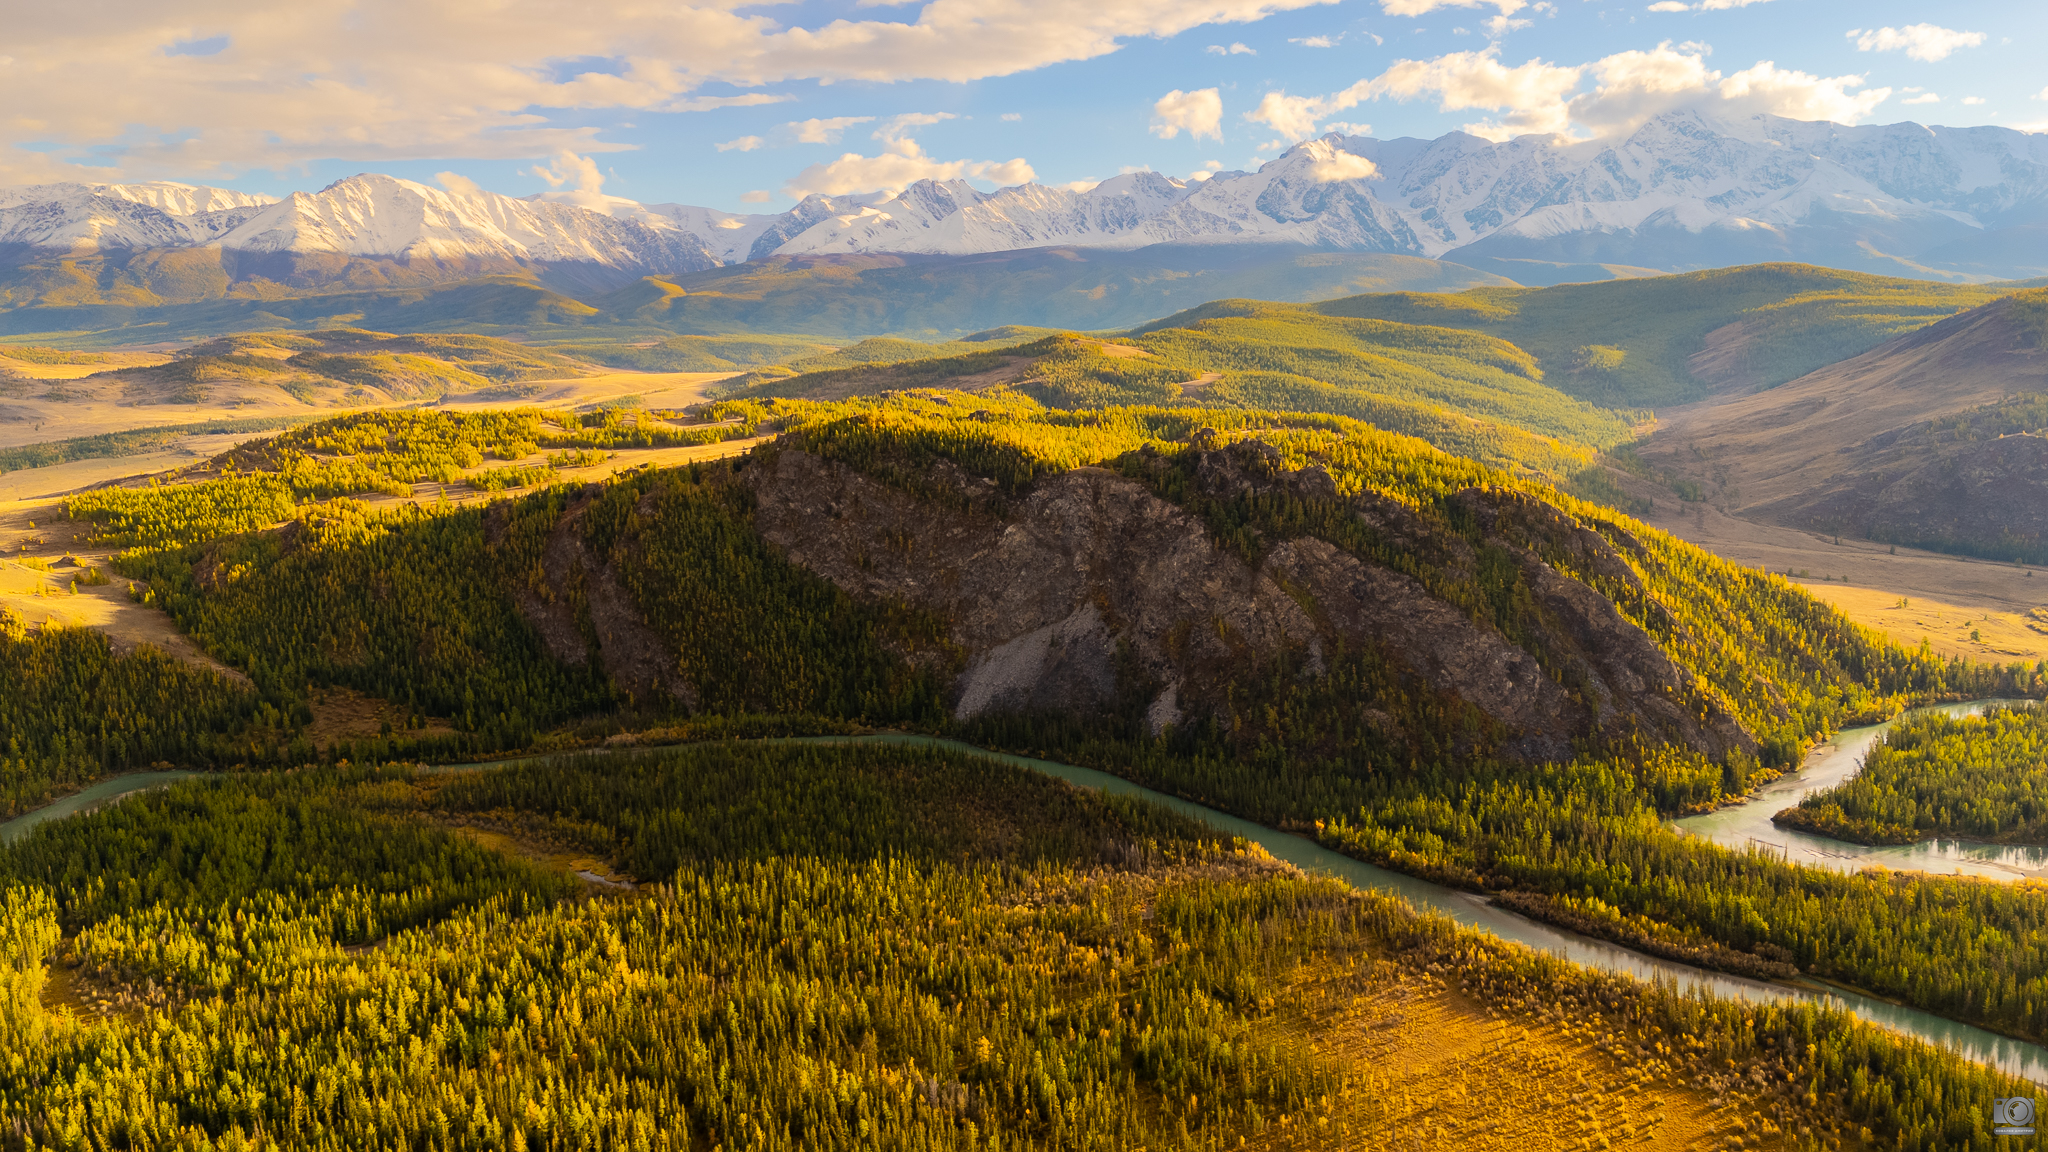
[{"x": 637, "y": 104}]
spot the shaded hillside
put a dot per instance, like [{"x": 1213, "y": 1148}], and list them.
[
  {"x": 1665, "y": 340},
  {"x": 1934, "y": 439}
]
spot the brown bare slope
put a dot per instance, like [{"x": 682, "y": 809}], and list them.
[
  {"x": 1091, "y": 585},
  {"x": 1930, "y": 439}
]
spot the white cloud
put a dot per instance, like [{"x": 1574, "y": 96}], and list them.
[
  {"x": 1296, "y": 116},
  {"x": 1315, "y": 41},
  {"x": 822, "y": 131},
  {"x": 585, "y": 183},
  {"x": 1500, "y": 26},
  {"x": 731, "y": 223},
  {"x": 1332, "y": 165},
  {"x": 1923, "y": 98},
  {"x": 1418, "y": 7},
  {"x": 757, "y": 196},
  {"x": 1531, "y": 96},
  {"x": 1920, "y": 41},
  {"x": 1670, "y": 6},
  {"x": 1345, "y": 128},
  {"x": 901, "y": 164},
  {"x": 1973, "y": 101},
  {"x": 1628, "y": 89},
  {"x": 1013, "y": 117},
  {"x": 1233, "y": 50},
  {"x": 1725, "y": 5},
  {"x": 389, "y": 80},
  {"x": 1696, "y": 47},
  {"x": 2042, "y": 94},
  {"x": 743, "y": 144},
  {"x": 1200, "y": 113},
  {"x": 459, "y": 184},
  {"x": 1800, "y": 95}
]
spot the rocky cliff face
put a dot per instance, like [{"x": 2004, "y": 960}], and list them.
[{"x": 1090, "y": 587}]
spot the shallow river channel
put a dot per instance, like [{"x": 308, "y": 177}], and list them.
[{"x": 1728, "y": 826}]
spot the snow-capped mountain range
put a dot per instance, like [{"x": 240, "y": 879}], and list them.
[{"x": 1682, "y": 191}]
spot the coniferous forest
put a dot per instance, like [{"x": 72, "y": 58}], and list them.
[{"x": 387, "y": 941}]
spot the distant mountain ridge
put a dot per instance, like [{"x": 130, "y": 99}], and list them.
[{"x": 1683, "y": 191}]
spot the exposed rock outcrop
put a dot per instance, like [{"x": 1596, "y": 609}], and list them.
[{"x": 1089, "y": 587}]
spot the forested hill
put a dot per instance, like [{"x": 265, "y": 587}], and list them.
[
  {"x": 1666, "y": 340},
  {"x": 1300, "y": 618},
  {"x": 1203, "y": 578},
  {"x": 1468, "y": 394}
]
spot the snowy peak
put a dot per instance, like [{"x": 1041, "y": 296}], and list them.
[
  {"x": 89, "y": 217},
  {"x": 371, "y": 215},
  {"x": 1682, "y": 190}
]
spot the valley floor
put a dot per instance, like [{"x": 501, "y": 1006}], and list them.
[
  {"x": 86, "y": 405},
  {"x": 1947, "y": 596}
]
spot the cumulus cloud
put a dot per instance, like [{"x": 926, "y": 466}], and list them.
[
  {"x": 1923, "y": 98},
  {"x": 902, "y": 163},
  {"x": 1331, "y": 165},
  {"x": 743, "y": 144},
  {"x": 1769, "y": 89},
  {"x": 1973, "y": 100},
  {"x": 1628, "y": 89},
  {"x": 1233, "y": 50},
  {"x": 1920, "y": 41},
  {"x": 1725, "y": 5},
  {"x": 1529, "y": 98},
  {"x": 459, "y": 184},
  {"x": 1499, "y": 26},
  {"x": 1315, "y": 41},
  {"x": 757, "y": 196},
  {"x": 1670, "y": 6},
  {"x": 374, "y": 80},
  {"x": 1199, "y": 113},
  {"x": 1013, "y": 117},
  {"x": 575, "y": 179}
]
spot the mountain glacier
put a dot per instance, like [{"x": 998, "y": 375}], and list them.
[{"x": 1683, "y": 191}]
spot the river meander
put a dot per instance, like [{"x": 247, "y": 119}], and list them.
[
  {"x": 2015, "y": 1056},
  {"x": 1742, "y": 825}
]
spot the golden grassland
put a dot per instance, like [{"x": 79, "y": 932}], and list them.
[
  {"x": 1436, "y": 1067},
  {"x": 1953, "y": 629}
]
